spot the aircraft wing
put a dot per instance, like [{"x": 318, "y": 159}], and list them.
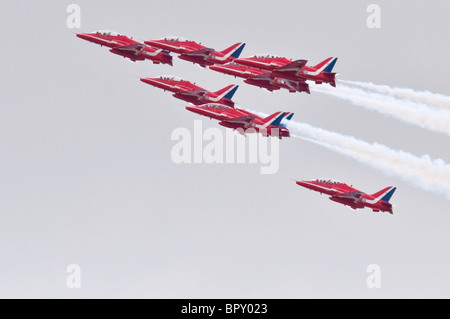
[
  {"x": 202, "y": 52},
  {"x": 263, "y": 77},
  {"x": 297, "y": 85},
  {"x": 246, "y": 119},
  {"x": 350, "y": 195},
  {"x": 193, "y": 93},
  {"x": 131, "y": 48},
  {"x": 264, "y": 80},
  {"x": 291, "y": 69}
]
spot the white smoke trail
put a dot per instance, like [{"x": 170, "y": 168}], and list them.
[
  {"x": 411, "y": 112},
  {"x": 423, "y": 172},
  {"x": 427, "y": 97}
]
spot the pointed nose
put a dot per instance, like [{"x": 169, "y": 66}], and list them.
[
  {"x": 152, "y": 43},
  {"x": 84, "y": 36},
  {"x": 216, "y": 67},
  {"x": 302, "y": 183},
  {"x": 240, "y": 60},
  {"x": 154, "y": 82},
  {"x": 194, "y": 109},
  {"x": 148, "y": 81}
]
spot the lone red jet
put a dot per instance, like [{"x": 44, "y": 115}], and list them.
[
  {"x": 244, "y": 121},
  {"x": 349, "y": 196},
  {"x": 321, "y": 73},
  {"x": 195, "y": 52},
  {"x": 285, "y": 78},
  {"x": 127, "y": 47},
  {"x": 192, "y": 93}
]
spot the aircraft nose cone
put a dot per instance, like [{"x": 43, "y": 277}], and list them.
[
  {"x": 83, "y": 36},
  {"x": 152, "y": 43},
  {"x": 215, "y": 67},
  {"x": 192, "y": 109},
  {"x": 147, "y": 80},
  {"x": 301, "y": 183},
  {"x": 240, "y": 60},
  {"x": 154, "y": 82},
  {"x": 195, "y": 110}
]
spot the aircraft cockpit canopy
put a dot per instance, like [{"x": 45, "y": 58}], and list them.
[
  {"x": 106, "y": 32},
  {"x": 217, "y": 106},
  {"x": 175, "y": 38},
  {"x": 171, "y": 78},
  {"x": 266, "y": 56},
  {"x": 327, "y": 180}
]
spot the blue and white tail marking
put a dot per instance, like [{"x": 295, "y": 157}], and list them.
[
  {"x": 384, "y": 195},
  {"x": 277, "y": 120},
  {"x": 234, "y": 51},
  {"x": 230, "y": 93},
  {"x": 287, "y": 117},
  {"x": 389, "y": 194},
  {"x": 226, "y": 92},
  {"x": 238, "y": 51},
  {"x": 330, "y": 66},
  {"x": 326, "y": 65}
]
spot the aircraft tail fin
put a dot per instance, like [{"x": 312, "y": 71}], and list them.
[
  {"x": 287, "y": 117},
  {"x": 326, "y": 65},
  {"x": 385, "y": 194},
  {"x": 227, "y": 92},
  {"x": 330, "y": 66},
  {"x": 234, "y": 51},
  {"x": 278, "y": 119},
  {"x": 274, "y": 119}
]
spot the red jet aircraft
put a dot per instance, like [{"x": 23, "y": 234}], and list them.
[
  {"x": 349, "y": 196},
  {"x": 127, "y": 47},
  {"x": 245, "y": 121},
  {"x": 192, "y": 93},
  {"x": 264, "y": 61},
  {"x": 195, "y": 52},
  {"x": 320, "y": 73},
  {"x": 267, "y": 79}
]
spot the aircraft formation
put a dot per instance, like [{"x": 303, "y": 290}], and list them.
[{"x": 266, "y": 71}]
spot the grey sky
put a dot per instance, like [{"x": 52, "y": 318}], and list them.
[{"x": 87, "y": 178}]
